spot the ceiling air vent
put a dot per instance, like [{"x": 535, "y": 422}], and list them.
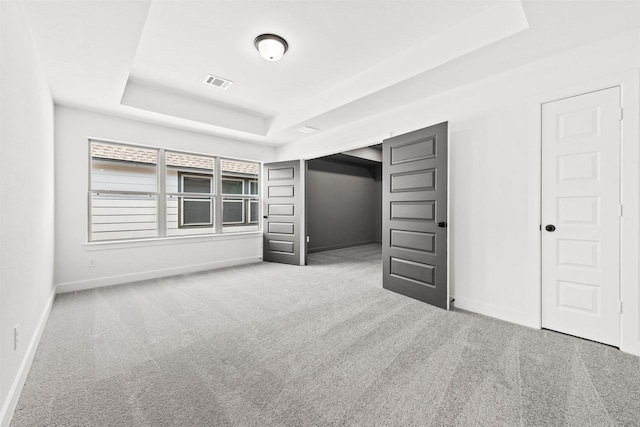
[
  {"x": 307, "y": 129},
  {"x": 218, "y": 82}
]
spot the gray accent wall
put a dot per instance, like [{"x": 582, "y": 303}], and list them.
[{"x": 344, "y": 203}]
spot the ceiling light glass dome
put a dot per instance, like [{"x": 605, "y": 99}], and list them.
[{"x": 271, "y": 46}]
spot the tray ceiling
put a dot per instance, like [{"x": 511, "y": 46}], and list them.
[{"x": 347, "y": 60}]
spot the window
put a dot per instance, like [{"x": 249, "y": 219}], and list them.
[
  {"x": 240, "y": 201},
  {"x": 232, "y": 186},
  {"x": 123, "y": 192},
  {"x": 190, "y": 194},
  {"x": 196, "y": 184},
  {"x": 196, "y": 212},
  {"x": 253, "y": 187},
  {"x": 141, "y": 192},
  {"x": 254, "y": 211},
  {"x": 233, "y": 211}
]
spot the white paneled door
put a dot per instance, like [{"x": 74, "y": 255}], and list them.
[{"x": 581, "y": 216}]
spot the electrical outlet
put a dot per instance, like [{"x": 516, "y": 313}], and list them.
[
  {"x": 92, "y": 262},
  {"x": 15, "y": 337}
]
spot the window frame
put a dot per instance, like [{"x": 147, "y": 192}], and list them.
[
  {"x": 195, "y": 197},
  {"x": 251, "y": 182},
  {"x": 97, "y": 192},
  {"x": 228, "y": 178},
  {"x": 181, "y": 215},
  {"x": 182, "y": 175},
  {"x": 234, "y": 200},
  {"x": 161, "y": 195},
  {"x": 257, "y": 221},
  {"x": 247, "y": 196}
]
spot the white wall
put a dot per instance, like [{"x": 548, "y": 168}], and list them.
[
  {"x": 494, "y": 172},
  {"x": 27, "y": 205},
  {"x": 124, "y": 262}
]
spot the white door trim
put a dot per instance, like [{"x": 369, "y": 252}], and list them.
[
  {"x": 580, "y": 196},
  {"x": 629, "y": 83},
  {"x": 303, "y": 213}
]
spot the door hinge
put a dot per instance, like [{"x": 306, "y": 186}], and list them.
[
  {"x": 620, "y": 309},
  {"x": 621, "y": 113},
  {"x": 620, "y": 210}
]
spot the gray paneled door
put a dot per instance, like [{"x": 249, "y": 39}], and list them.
[
  {"x": 414, "y": 198},
  {"x": 282, "y": 212}
]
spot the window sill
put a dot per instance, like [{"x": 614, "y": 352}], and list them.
[{"x": 162, "y": 241}]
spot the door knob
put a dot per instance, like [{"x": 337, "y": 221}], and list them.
[
  {"x": 550, "y": 228},
  {"x": 265, "y": 217},
  {"x": 442, "y": 224}
]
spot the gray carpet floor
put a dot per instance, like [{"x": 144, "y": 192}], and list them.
[{"x": 322, "y": 345}]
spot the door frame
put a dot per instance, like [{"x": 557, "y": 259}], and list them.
[
  {"x": 606, "y": 327},
  {"x": 629, "y": 83},
  {"x": 332, "y": 151}
]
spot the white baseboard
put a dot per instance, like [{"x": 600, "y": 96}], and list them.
[
  {"x": 9, "y": 405},
  {"x": 629, "y": 342},
  {"x": 506, "y": 314},
  {"x": 82, "y": 285},
  {"x": 632, "y": 347}
]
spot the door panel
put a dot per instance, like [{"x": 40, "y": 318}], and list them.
[
  {"x": 580, "y": 198},
  {"x": 282, "y": 212},
  {"x": 414, "y": 196}
]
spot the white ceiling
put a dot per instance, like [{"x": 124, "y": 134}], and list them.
[{"x": 347, "y": 60}]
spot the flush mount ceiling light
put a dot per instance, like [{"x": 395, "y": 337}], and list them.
[{"x": 270, "y": 46}]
